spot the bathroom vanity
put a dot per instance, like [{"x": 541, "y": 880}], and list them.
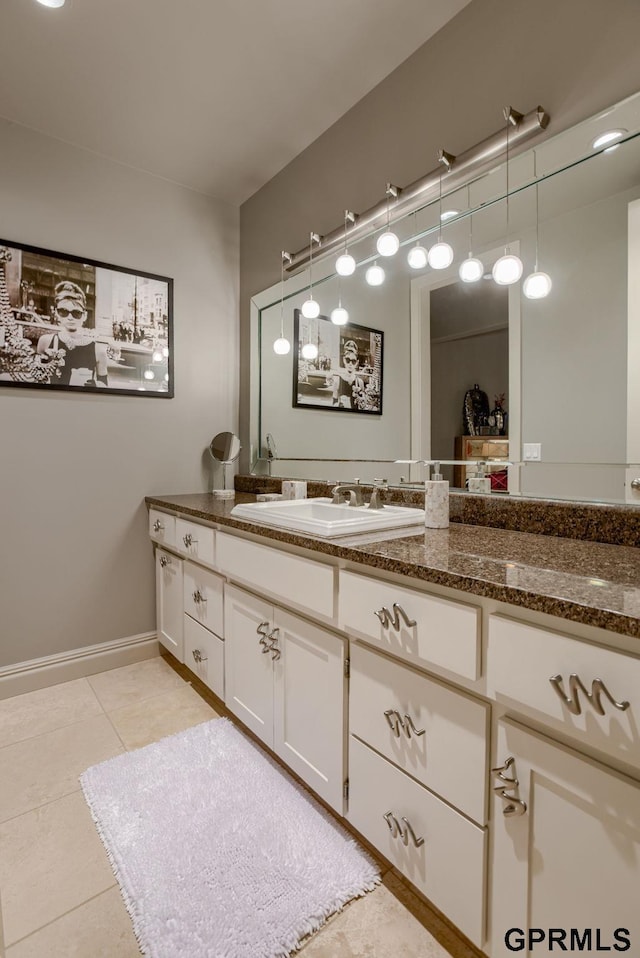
[{"x": 467, "y": 698}]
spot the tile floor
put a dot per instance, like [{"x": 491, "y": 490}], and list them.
[{"x": 58, "y": 895}]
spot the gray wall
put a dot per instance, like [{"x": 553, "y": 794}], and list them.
[
  {"x": 76, "y": 565},
  {"x": 573, "y": 57}
]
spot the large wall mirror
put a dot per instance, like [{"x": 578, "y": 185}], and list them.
[{"x": 567, "y": 365}]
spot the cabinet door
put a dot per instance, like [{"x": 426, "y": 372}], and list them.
[
  {"x": 204, "y": 654},
  {"x": 248, "y": 665},
  {"x": 570, "y": 860},
  {"x": 310, "y": 705},
  {"x": 169, "y": 611}
]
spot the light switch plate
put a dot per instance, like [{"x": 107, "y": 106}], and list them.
[{"x": 532, "y": 451}]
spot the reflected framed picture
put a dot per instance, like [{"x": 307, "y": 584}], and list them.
[
  {"x": 337, "y": 367},
  {"x": 78, "y": 324}
]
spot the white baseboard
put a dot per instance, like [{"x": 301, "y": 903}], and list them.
[{"x": 65, "y": 666}]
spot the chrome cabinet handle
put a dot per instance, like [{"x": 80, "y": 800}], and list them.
[
  {"x": 635, "y": 483},
  {"x": 189, "y": 540},
  {"x": 392, "y": 619},
  {"x": 273, "y": 648},
  {"x": 594, "y": 697},
  {"x": 157, "y": 526},
  {"x": 165, "y": 561},
  {"x": 513, "y": 805},
  {"x": 396, "y": 722},
  {"x": 263, "y": 631},
  {"x": 199, "y": 657},
  {"x": 404, "y": 831},
  {"x": 199, "y": 597}
]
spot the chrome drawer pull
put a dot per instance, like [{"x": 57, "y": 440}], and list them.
[
  {"x": 392, "y": 824},
  {"x": 189, "y": 540},
  {"x": 393, "y": 619},
  {"x": 398, "y": 831},
  {"x": 199, "y": 657},
  {"x": 263, "y": 630},
  {"x": 199, "y": 597},
  {"x": 409, "y": 831},
  {"x": 165, "y": 561},
  {"x": 394, "y": 721},
  {"x": 157, "y": 526},
  {"x": 409, "y": 727},
  {"x": 513, "y": 805},
  {"x": 594, "y": 697}
]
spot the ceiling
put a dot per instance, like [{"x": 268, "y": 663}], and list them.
[{"x": 218, "y": 95}]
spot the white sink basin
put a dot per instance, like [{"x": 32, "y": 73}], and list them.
[{"x": 323, "y": 517}]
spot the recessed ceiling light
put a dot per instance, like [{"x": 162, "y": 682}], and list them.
[
  {"x": 52, "y": 3},
  {"x": 609, "y": 137},
  {"x": 448, "y": 215}
]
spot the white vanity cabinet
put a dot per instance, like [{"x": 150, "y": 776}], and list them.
[
  {"x": 169, "y": 602},
  {"x": 566, "y": 848},
  {"x": 204, "y": 625},
  {"x": 285, "y": 679}
]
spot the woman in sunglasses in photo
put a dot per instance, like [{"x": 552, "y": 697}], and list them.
[
  {"x": 347, "y": 385},
  {"x": 85, "y": 359}
]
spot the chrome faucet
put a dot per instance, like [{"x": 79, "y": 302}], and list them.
[
  {"x": 340, "y": 492},
  {"x": 379, "y": 486}
]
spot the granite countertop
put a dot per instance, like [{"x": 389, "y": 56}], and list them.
[{"x": 589, "y": 582}]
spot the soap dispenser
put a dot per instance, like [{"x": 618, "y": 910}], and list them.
[
  {"x": 436, "y": 500},
  {"x": 481, "y": 482}
]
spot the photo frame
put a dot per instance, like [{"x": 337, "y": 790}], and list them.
[
  {"x": 71, "y": 323},
  {"x": 342, "y": 370}
]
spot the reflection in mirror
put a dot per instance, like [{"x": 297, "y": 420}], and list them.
[
  {"x": 224, "y": 448},
  {"x": 566, "y": 363}
]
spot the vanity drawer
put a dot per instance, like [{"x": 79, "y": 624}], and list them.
[
  {"x": 523, "y": 659},
  {"x": 195, "y": 541},
  {"x": 432, "y": 632},
  {"x": 204, "y": 655},
  {"x": 162, "y": 527},
  {"x": 300, "y": 582},
  {"x": 435, "y": 734},
  {"x": 449, "y": 866},
  {"x": 203, "y": 597}
]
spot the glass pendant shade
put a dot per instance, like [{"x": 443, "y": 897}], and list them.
[
  {"x": 507, "y": 270},
  {"x": 157, "y": 356},
  {"x": 537, "y": 285},
  {"x": 388, "y": 244},
  {"x": 417, "y": 257},
  {"x": 52, "y": 3},
  {"x": 310, "y": 308},
  {"x": 281, "y": 346},
  {"x": 440, "y": 256},
  {"x": 339, "y": 316},
  {"x": 345, "y": 265},
  {"x": 375, "y": 275},
  {"x": 149, "y": 374},
  {"x": 471, "y": 270},
  {"x": 309, "y": 351}
]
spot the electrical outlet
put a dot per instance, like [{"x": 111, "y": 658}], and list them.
[{"x": 532, "y": 451}]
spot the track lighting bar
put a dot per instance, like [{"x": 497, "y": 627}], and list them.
[{"x": 474, "y": 163}]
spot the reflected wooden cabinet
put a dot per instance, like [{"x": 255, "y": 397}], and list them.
[{"x": 488, "y": 448}]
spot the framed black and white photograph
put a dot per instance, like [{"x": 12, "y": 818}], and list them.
[
  {"x": 336, "y": 367},
  {"x": 78, "y": 324}
]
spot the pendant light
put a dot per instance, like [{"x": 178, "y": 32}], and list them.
[
  {"x": 339, "y": 315},
  {"x": 388, "y": 243},
  {"x": 471, "y": 269},
  {"x": 508, "y": 269},
  {"x": 345, "y": 263},
  {"x": 537, "y": 285},
  {"x": 310, "y": 308},
  {"x": 417, "y": 255},
  {"x": 282, "y": 345},
  {"x": 375, "y": 275},
  {"x": 441, "y": 254}
]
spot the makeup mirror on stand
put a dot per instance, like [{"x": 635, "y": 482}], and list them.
[{"x": 224, "y": 448}]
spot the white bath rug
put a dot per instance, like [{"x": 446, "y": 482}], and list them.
[{"x": 218, "y": 853}]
